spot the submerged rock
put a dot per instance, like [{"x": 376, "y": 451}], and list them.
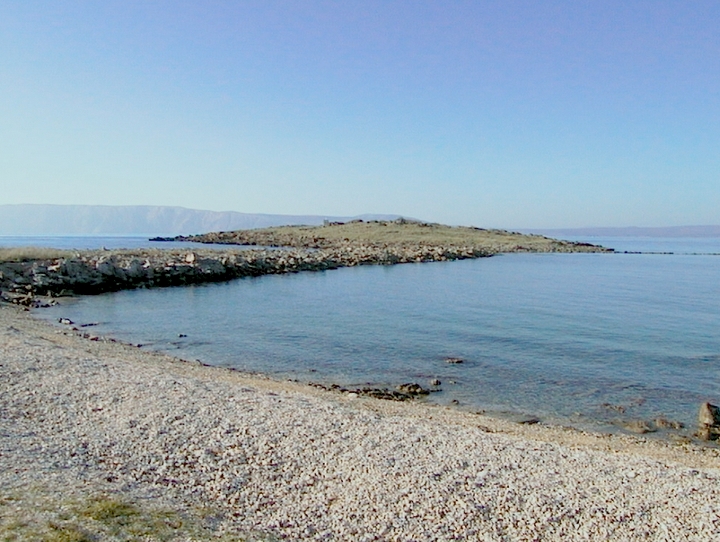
[
  {"x": 639, "y": 426},
  {"x": 528, "y": 420},
  {"x": 664, "y": 423},
  {"x": 412, "y": 389},
  {"x": 404, "y": 392}
]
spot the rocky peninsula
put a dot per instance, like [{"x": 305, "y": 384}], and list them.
[
  {"x": 26, "y": 274},
  {"x": 430, "y": 240}
]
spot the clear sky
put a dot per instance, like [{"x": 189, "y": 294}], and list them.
[{"x": 516, "y": 114}]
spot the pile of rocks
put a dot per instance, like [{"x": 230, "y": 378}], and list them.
[
  {"x": 98, "y": 272},
  {"x": 403, "y": 392}
]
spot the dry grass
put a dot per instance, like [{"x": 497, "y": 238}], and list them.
[
  {"x": 394, "y": 233},
  {"x": 26, "y": 254}
]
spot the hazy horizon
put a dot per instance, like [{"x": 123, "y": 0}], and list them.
[
  {"x": 144, "y": 220},
  {"x": 152, "y": 220},
  {"x": 512, "y": 114}
]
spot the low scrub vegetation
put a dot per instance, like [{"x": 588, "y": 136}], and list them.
[
  {"x": 401, "y": 233},
  {"x": 25, "y": 254}
]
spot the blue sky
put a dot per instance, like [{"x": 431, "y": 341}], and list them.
[{"x": 515, "y": 114}]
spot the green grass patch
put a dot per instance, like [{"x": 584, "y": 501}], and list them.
[
  {"x": 66, "y": 533},
  {"x": 35, "y": 516}
]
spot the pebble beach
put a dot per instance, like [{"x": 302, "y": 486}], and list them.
[{"x": 243, "y": 457}]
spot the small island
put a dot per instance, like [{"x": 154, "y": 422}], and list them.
[
  {"x": 28, "y": 273},
  {"x": 396, "y": 234}
]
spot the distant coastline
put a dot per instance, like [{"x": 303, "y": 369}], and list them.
[
  {"x": 150, "y": 220},
  {"x": 119, "y": 220},
  {"x": 667, "y": 232}
]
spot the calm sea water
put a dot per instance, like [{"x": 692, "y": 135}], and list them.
[
  {"x": 95, "y": 242},
  {"x": 559, "y": 336}
]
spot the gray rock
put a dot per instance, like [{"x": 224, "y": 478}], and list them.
[
  {"x": 107, "y": 268},
  {"x": 709, "y": 415},
  {"x": 708, "y": 422},
  {"x": 136, "y": 269}
]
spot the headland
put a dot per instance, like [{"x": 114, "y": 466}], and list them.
[{"x": 28, "y": 273}]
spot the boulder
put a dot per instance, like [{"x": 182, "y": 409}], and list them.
[
  {"x": 136, "y": 269},
  {"x": 709, "y": 415},
  {"x": 708, "y": 422},
  {"x": 208, "y": 266},
  {"x": 109, "y": 269}
]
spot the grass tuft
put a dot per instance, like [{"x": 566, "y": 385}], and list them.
[
  {"x": 66, "y": 533},
  {"x": 107, "y": 510},
  {"x": 35, "y": 516}
]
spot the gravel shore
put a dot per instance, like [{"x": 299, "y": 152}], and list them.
[{"x": 247, "y": 457}]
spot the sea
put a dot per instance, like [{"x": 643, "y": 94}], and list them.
[{"x": 591, "y": 341}]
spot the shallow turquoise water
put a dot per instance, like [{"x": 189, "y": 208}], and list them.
[{"x": 553, "y": 335}]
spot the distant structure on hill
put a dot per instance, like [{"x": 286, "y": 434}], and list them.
[{"x": 67, "y": 220}]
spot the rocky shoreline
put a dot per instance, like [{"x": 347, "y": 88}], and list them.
[
  {"x": 94, "y": 272},
  {"x": 25, "y": 277}
]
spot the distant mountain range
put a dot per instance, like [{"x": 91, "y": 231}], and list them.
[
  {"x": 67, "y": 220},
  {"x": 674, "y": 231}
]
